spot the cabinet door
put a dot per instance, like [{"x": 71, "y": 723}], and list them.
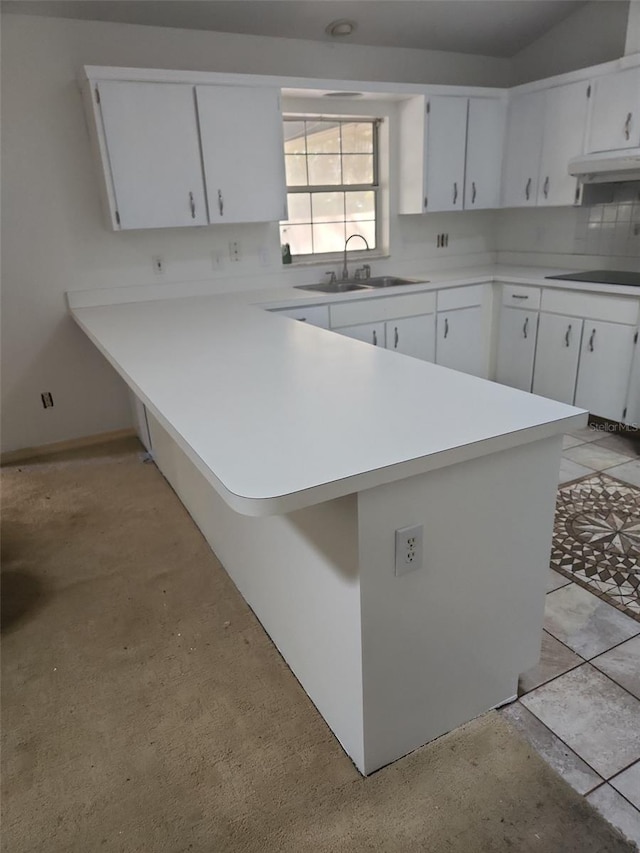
[
  {"x": 243, "y": 153},
  {"x": 517, "y": 334},
  {"x": 557, "y": 353},
  {"x": 605, "y": 365},
  {"x": 632, "y": 415},
  {"x": 370, "y": 333},
  {"x": 485, "y": 140},
  {"x": 151, "y": 136},
  {"x": 414, "y": 336},
  {"x": 525, "y": 122},
  {"x": 565, "y": 120},
  {"x": 615, "y": 114},
  {"x": 445, "y": 153},
  {"x": 459, "y": 342}
]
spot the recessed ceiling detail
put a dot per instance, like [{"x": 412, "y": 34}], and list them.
[{"x": 340, "y": 28}]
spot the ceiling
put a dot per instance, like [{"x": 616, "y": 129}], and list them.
[{"x": 497, "y": 28}]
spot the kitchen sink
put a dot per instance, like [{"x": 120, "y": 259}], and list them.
[
  {"x": 363, "y": 284},
  {"x": 333, "y": 286},
  {"x": 392, "y": 281}
]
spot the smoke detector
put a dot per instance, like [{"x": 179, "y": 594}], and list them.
[{"x": 340, "y": 28}]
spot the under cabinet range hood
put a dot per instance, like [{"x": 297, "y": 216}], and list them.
[{"x": 607, "y": 167}]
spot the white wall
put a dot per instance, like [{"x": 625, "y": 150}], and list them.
[
  {"x": 52, "y": 231},
  {"x": 593, "y": 33},
  {"x": 633, "y": 28}
]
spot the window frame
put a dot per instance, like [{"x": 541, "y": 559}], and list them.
[{"x": 311, "y": 189}]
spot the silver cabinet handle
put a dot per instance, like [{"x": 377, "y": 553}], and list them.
[
  {"x": 220, "y": 203},
  {"x": 627, "y": 126},
  {"x": 446, "y": 327},
  {"x": 592, "y": 340},
  {"x": 375, "y": 338},
  {"x": 473, "y": 192},
  {"x": 455, "y": 192},
  {"x": 525, "y": 328},
  {"x": 545, "y": 188},
  {"x": 527, "y": 189},
  {"x": 396, "y": 338},
  {"x": 567, "y": 336},
  {"x": 192, "y": 205},
  {"x": 301, "y": 319},
  {"x": 519, "y": 296}
]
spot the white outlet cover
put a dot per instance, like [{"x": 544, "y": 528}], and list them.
[{"x": 409, "y": 549}]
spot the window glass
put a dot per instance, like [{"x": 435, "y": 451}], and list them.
[{"x": 321, "y": 154}]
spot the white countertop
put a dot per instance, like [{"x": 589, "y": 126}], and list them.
[{"x": 279, "y": 415}]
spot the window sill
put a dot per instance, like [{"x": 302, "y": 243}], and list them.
[{"x": 331, "y": 260}]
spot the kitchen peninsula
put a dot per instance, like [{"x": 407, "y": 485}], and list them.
[{"x": 299, "y": 453}]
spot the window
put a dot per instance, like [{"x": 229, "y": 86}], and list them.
[{"x": 332, "y": 184}]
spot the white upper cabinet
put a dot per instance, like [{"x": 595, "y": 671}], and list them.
[
  {"x": 525, "y": 128},
  {"x": 450, "y": 153},
  {"x": 615, "y": 114},
  {"x": 150, "y": 133},
  {"x": 485, "y": 144},
  {"x": 445, "y": 153},
  {"x": 242, "y": 153},
  {"x": 565, "y": 119}
]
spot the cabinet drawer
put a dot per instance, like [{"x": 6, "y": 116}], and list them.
[
  {"x": 593, "y": 306},
  {"x": 315, "y": 315},
  {"x": 460, "y": 297},
  {"x": 386, "y": 308},
  {"x": 517, "y": 296}
]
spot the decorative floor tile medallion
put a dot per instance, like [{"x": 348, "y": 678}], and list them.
[{"x": 596, "y": 539}]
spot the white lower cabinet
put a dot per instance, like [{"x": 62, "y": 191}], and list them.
[
  {"x": 632, "y": 409},
  {"x": 518, "y": 332},
  {"x": 370, "y": 333},
  {"x": 459, "y": 341},
  {"x": 557, "y": 354},
  {"x": 605, "y": 365},
  {"x": 415, "y": 336},
  {"x": 314, "y": 315}
]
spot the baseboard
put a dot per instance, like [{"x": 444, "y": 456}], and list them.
[{"x": 13, "y": 456}]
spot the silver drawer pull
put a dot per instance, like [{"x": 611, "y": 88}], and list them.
[
  {"x": 592, "y": 339},
  {"x": 396, "y": 337},
  {"x": 192, "y": 205},
  {"x": 220, "y": 203},
  {"x": 375, "y": 338},
  {"x": 446, "y": 327},
  {"x": 455, "y": 192},
  {"x": 519, "y": 296},
  {"x": 301, "y": 319},
  {"x": 567, "y": 336},
  {"x": 525, "y": 333},
  {"x": 627, "y": 126},
  {"x": 473, "y": 192},
  {"x": 527, "y": 189},
  {"x": 545, "y": 188}
]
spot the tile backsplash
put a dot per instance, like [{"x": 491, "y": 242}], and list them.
[{"x": 608, "y": 223}]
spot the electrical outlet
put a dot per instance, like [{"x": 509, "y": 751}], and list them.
[
  {"x": 47, "y": 399},
  {"x": 234, "y": 251},
  {"x": 409, "y": 542},
  {"x": 158, "y": 265}
]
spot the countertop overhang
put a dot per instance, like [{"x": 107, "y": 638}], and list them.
[{"x": 279, "y": 415}]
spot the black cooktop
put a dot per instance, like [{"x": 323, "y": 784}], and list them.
[{"x": 630, "y": 279}]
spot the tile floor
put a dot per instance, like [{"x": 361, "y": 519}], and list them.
[{"x": 580, "y": 706}]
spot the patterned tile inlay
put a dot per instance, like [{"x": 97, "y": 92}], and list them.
[{"x": 596, "y": 539}]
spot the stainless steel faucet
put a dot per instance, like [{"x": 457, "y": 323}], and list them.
[{"x": 345, "y": 270}]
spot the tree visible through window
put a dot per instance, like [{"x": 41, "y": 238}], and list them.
[{"x": 332, "y": 184}]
